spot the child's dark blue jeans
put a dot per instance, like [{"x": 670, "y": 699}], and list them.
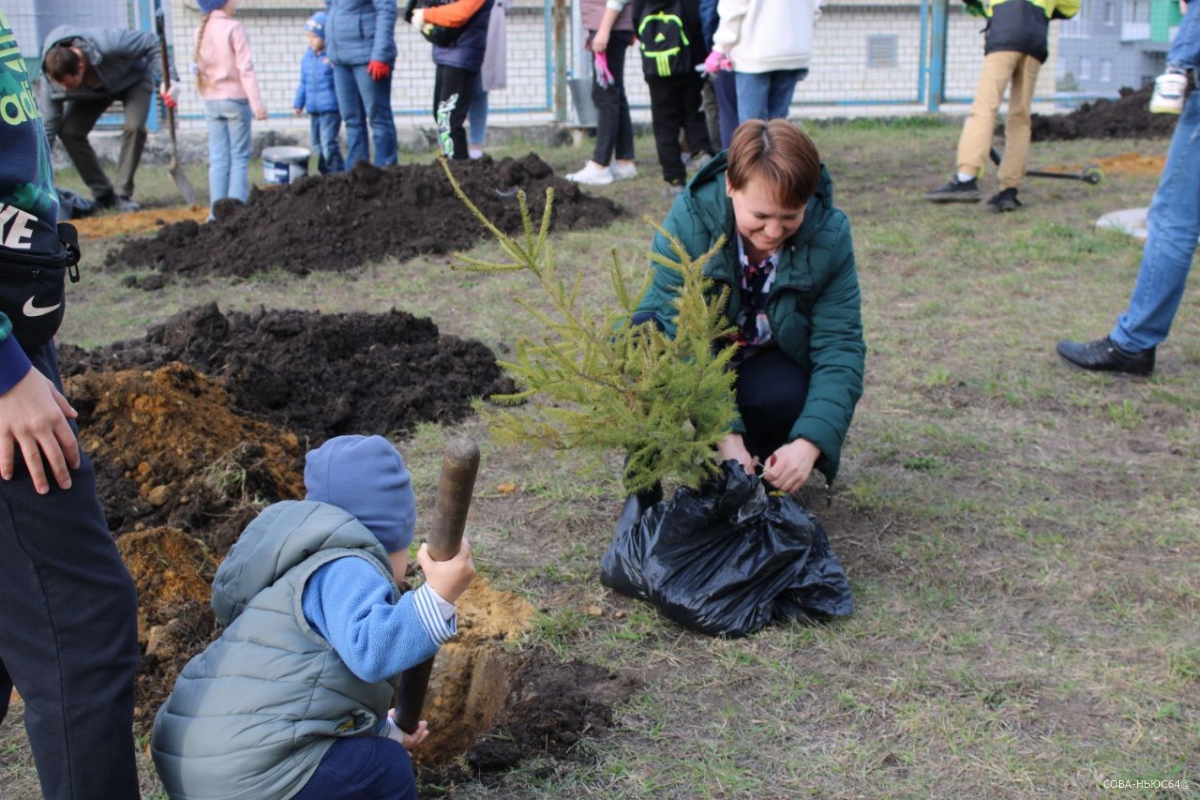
[{"x": 362, "y": 768}]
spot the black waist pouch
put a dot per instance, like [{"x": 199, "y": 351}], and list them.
[{"x": 32, "y": 288}]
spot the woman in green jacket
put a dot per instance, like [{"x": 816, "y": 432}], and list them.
[{"x": 788, "y": 265}]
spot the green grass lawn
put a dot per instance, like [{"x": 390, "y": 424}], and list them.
[{"x": 1023, "y": 540}]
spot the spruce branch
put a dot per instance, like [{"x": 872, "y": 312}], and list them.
[{"x": 598, "y": 383}]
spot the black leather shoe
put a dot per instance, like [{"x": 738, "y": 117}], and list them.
[{"x": 1104, "y": 356}]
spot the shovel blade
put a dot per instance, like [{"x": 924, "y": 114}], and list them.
[{"x": 182, "y": 183}]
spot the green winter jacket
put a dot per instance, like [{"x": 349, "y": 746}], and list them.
[
  {"x": 254, "y": 714},
  {"x": 813, "y": 308}
]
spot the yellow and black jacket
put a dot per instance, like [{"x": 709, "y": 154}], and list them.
[{"x": 1023, "y": 25}]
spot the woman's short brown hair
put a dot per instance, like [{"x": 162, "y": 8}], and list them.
[
  {"x": 777, "y": 153},
  {"x": 60, "y": 61}
]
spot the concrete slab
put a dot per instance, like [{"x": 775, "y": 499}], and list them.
[{"x": 1130, "y": 221}]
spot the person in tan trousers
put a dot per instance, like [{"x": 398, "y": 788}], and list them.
[{"x": 1015, "y": 47}]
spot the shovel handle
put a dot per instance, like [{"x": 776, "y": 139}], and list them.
[
  {"x": 460, "y": 464},
  {"x": 160, "y": 25}
]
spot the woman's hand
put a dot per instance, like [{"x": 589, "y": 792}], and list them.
[
  {"x": 788, "y": 467},
  {"x": 733, "y": 448}
]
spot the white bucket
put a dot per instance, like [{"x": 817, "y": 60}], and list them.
[{"x": 284, "y": 164}]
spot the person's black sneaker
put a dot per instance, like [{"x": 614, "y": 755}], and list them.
[
  {"x": 104, "y": 201},
  {"x": 1005, "y": 200},
  {"x": 1104, "y": 356},
  {"x": 955, "y": 191}
]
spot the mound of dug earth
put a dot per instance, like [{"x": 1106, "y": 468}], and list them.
[
  {"x": 318, "y": 375},
  {"x": 1127, "y": 117},
  {"x": 340, "y": 222},
  {"x": 170, "y": 449}
]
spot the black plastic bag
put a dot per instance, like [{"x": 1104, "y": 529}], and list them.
[{"x": 727, "y": 558}]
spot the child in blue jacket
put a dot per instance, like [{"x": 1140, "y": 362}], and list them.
[
  {"x": 316, "y": 94},
  {"x": 292, "y": 700}
]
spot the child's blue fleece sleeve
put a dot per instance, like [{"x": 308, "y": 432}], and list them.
[{"x": 349, "y": 603}]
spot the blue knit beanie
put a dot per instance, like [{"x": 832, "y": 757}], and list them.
[
  {"x": 365, "y": 476},
  {"x": 316, "y": 24},
  {"x": 209, "y": 6}
]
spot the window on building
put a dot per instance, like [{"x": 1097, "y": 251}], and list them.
[
  {"x": 1105, "y": 70},
  {"x": 1072, "y": 29},
  {"x": 883, "y": 52},
  {"x": 1137, "y": 11},
  {"x": 1110, "y": 14},
  {"x": 1085, "y": 68}
]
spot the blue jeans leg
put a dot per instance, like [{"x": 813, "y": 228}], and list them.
[
  {"x": 725, "y": 85},
  {"x": 361, "y": 767},
  {"x": 219, "y": 156},
  {"x": 325, "y": 127},
  {"x": 783, "y": 86},
  {"x": 353, "y": 113},
  {"x": 228, "y": 149},
  {"x": 377, "y": 103},
  {"x": 1173, "y": 224},
  {"x": 239, "y": 150},
  {"x": 477, "y": 114},
  {"x": 766, "y": 95}
]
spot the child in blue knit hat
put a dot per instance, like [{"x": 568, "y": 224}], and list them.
[
  {"x": 317, "y": 95},
  {"x": 292, "y": 700}
]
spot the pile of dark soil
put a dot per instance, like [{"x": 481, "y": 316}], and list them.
[
  {"x": 341, "y": 222},
  {"x": 1127, "y": 117},
  {"x": 317, "y": 375}
]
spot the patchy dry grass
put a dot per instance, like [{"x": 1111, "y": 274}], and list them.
[{"x": 1023, "y": 540}]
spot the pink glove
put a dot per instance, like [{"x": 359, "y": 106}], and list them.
[
  {"x": 604, "y": 75},
  {"x": 717, "y": 62},
  {"x": 378, "y": 70}
]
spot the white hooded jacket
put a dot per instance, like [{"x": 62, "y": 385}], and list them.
[{"x": 766, "y": 35}]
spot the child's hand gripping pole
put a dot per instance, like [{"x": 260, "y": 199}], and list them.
[{"x": 460, "y": 463}]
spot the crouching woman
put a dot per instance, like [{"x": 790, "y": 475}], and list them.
[{"x": 788, "y": 265}]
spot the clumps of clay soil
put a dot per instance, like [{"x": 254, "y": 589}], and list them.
[
  {"x": 1127, "y": 117},
  {"x": 171, "y": 449},
  {"x": 318, "y": 375},
  {"x": 173, "y": 574},
  {"x": 343, "y": 221}
]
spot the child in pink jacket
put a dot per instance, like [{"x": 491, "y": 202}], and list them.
[{"x": 224, "y": 72}]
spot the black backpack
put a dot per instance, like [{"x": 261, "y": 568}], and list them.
[
  {"x": 666, "y": 50},
  {"x": 434, "y": 34}
]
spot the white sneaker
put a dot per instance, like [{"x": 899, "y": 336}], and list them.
[
  {"x": 623, "y": 172},
  {"x": 1169, "y": 89},
  {"x": 592, "y": 174}
]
